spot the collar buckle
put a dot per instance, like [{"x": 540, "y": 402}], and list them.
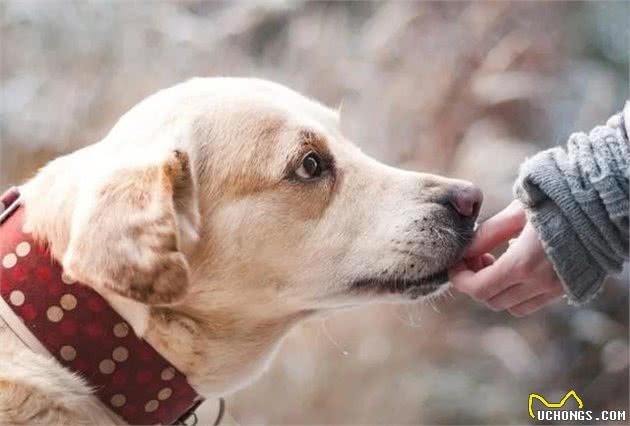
[
  {"x": 11, "y": 200},
  {"x": 189, "y": 418}
]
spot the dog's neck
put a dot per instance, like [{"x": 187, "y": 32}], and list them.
[{"x": 220, "y": 351}]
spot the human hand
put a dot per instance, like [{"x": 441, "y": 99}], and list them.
[{"x": 522, "y": 280}]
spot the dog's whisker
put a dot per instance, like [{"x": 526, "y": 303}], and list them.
[
  {"x": 332, "y": 340},
  {"x": 418, "y": 312},
  {"x": 410, "y": 316},
  {"x": 433, "y": 305},
  {"x": 404, "y": 320},
  {"x": 449, "y": 293}
]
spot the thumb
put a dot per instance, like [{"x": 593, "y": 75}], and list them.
[{"x": 498, "y": 229}]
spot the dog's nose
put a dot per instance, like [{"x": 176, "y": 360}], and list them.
[{"x": 466, "y": 199}]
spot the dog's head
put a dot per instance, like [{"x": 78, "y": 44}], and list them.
[{"x": 243, "y": 192}]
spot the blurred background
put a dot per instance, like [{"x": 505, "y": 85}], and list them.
[{"x": 464, "y": 89}]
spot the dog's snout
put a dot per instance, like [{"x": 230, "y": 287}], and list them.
[{"x": 466, "y": 200}]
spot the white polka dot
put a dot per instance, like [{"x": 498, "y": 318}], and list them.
[
  {"x": 118, "y": 400},
  {"x": 26, "y": 229},
  {"x": 23, "y": 249},
  {"x": 9, "y": 260},
  {"x": 107, "y": 366},
  {"x": 151, "y": 406},
  {"x": 168, "y": 374},
  {"x": 66, "y": 279},
  {"x": 16, "y": 298},
  {"x": 165, "y": 393},
  {"x": 120, "y": 354},
  {"x": 54, "y": 314},
  {"x": 68, "y": 353},
  {"x": 121, "y": 329},
  {"x": 68, "y": 302}
]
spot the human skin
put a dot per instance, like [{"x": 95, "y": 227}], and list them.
[{"x": 522, "y": 280}]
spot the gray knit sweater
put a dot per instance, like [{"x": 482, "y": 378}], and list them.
[{"x": 577, "y": 200}]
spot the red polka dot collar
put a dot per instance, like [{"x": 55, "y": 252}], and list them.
[{"x": 77, "y": 326}]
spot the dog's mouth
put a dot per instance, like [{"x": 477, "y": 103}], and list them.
[
  {"x": 411, "y": 288},
  {"x": 414, "y": 287}
]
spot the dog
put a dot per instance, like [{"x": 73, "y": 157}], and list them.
[{"x": 215, "y": 216}]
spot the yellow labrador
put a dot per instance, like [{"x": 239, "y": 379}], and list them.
[{"x": 215, "y": 216}]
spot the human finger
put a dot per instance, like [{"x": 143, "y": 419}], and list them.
[
  {"x": 534, "y": 304},
  {"x": 479, "y": 262},
  {"x": 487, "y": 282},
  {"x": 498, "y": 229},
  {"x": 515, "y": 295}
]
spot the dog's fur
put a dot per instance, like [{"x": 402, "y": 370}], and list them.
[{"x": 189, "y": 218}]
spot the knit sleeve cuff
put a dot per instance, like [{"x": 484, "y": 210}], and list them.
[{"x": 581, "y": 276}]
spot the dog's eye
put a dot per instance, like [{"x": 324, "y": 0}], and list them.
[{"x": 311, "y": 166}]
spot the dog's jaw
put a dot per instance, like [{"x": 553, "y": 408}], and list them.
[{"x": 406, "y": 287}]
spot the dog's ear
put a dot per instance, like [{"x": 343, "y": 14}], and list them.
[{"x": 129, "y": 230}]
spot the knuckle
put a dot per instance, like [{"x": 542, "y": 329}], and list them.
[
  {"x": 525, "y": 308},
  {"x": 456, "y": 282},
  {"x": 495, "y": 306},
  {"x": 516, "y": 210},
  {"x": 479, "y": 293},
  {"x": 504, "y": 304},
  {"x": 522, "y": 267},
  {"x": 462, "y": 285}
]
